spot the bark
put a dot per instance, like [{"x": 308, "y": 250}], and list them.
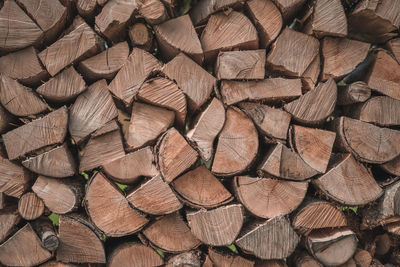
[{"x": 46, "y": 232}]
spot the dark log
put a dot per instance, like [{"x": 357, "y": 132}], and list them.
[
  {"x": 60, "y": 196},
  {"x": 14, "y": 179},
  {"x": 202, "y": 11},
  {"x": 200, "y": 188},
  {"x": 268, "y": 198},
  {"x": 153, "y": 11},
  {"x": 273, "y": 239},
  {"x": 30, "y": 206},
  {"x": 353, "y": 93},
  {"x": 289, "y": 8},
  {"x": 170, "y": 233},
  {"x": 236, "y": 65},
  {"x": 3, "y": 201},
  {"x": 208, "y": 263},
  {"x": 86, "y": 8},
  {"x": 393, "y": 228},
  {"x": 271, "y": 263},
  {"x": 329, "y": 19},
  {"x": 46, "y": 232},
  {"x": 131, "y": 254},
  {"x": 362, "y": 258},
  {"x": 189, "y": 258},
  {"x": 6, "y": 120},
  {"x": 305, "y": 260},
  {"x": 9, "y": 219},
  {"x": 392, "y": 166},
  {"x": 154, "y": 197},
  {"x": 394, "y": 47},
  {"x": 175, "y": 155},
  {"x": 383, "y": 244},
  {"x": 141, "y": 36},
  {"x": 348, "y": 182},
  {"x": 223, "y": 259},
  {"x": 217, "y": 227}
]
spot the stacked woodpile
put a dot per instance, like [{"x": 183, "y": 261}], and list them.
[{"x": 199, "y": 133}]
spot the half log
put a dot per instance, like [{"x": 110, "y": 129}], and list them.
[
  {"x": 14, "y": 179},
  {"x": 134, "y": 253}
]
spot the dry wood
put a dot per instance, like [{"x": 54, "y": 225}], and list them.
[
  {"x": 86, "y": 8},
  {"x": 3, "y": 201},
  {"x": 289, "y": 8},
  {"x": 353, "y": 93},
  {"x": 14, "y": 179},
  {"x": 46, "y": 232},
  {"x": 393, "y": 229},
  {"x": 9, "y": 218},
  {"x": 392, "y": 166},
  {"x": 6, "y": 120},
  {"x": 57, "y": 263},
  {"x": 202, "y": 11},
  {"x": 348, "y": 182},
  {"x": 170, "y": 233},
  {"x": 178, "y": 35},
  {"x": 382, "y": 243},
  {"x": 222, "y": 259},
  {"x": 141, "y": 36},
  {"x": 274, "y": 239},
  {"x": 134, "y": 254},
  {"x": 200, "y": 188},
  {"x": 341, "y": 56},
  {"x": 362, "y": 258},
  {"x": 153, "y": 11},
  {"x": 60, "y": 196},
  {"x": 311, "y": 75},
  {"x": 189, "y": 258},
  {"x": 236, "y": 65},
  {"x": 329, "y": 18},
  {"x": 175, "y": 155},
  {"x": 227, "y": 31},
  {"x": 305, "y": 260},
  {"x": 146, "y": 124},
  {"x": 271, "y": 263},
  {"x": 394, "y": 47},
  {"x": 268, "y": 90},
  {"x": 217, "y": 227},
  {"x": 268, "y": 198},
  {"x": 154, "y": 197},
  {"x": 196, "y": 83},
  {"x": 30, "y": 206}
]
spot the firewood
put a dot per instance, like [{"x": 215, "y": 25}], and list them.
[
  {"x": 237, "y": 145},
  {"x": 154, "y": 197},
  {"x": 236, "y": 65},
  {"x": 383, "y": 244},
  {"x": 202, "y": 11},
  {"x": 282, "y": 162},
  {"x": 268, "y": 198},
  {"x": 146, "y": 124},
  {"x": 139, "y": 65},
  {"x": 326, "y": 245},
  {"x": 3, "y": 201},
  {"x": 196, "y": 83},
  {"x": 393, "y": 228},
  {"x": 271, "y": 263},
  {"x": 91, "y": 110},
  {"x": 274, "y": 239},
  {"x": 86, "y": 8},
  {"x": 311, "y": 74},
  {"x": 267, "y": 18},
  {"x": 30, "y": 206},
  {"x": 178, "y": 35},
  {"x": 229, "y": 220},
  {"x": 189, "y": 258},
  {"x": 6, "y": 120},
  {"x": 141, "y": 36},
  {"x": 134, "y": 254},
  {"x": 341, "y": 56},
  {"x": 394, "y": 47},
  {"x": 175, "y": 155},
  {"x": 329, "y": 18},
  {"x": 18, "y": 99},
  {"x": 153, "y": 11},
  {"x": 348, "y": 182},
  {"x": 14, "y": 179},
  {"x": 268, "y": 90},
  {"x": 23, "y": 249},
  {"x": 60, "y": 196},
  {"x": 208, "y": 263},
  {"x": 9, "y": 218},
  {"x": 78, "y": 241},
  {"x": 227, "y": 32},
  {"x": 305, "y": 260},
  {"x": 208, "y": 125},
  {"x": 222, "y": 259},
  {"x": 170, "y": 233},
  {"x": 353, "y": 93},
  {"x": 367, "y": 142},
  {"x": 17, "y": 30},
  {"x": 289, "y": 8},
  {"x": 362, "y": 258},
  {"x": 200, "y": 188},
  {"x": 270, "y": 121},
  {"x": 106, "y": 64},
  {"x": 385, "y": 75},
  {"x": 46, "y": 232},
  {"x": 392, "y": 166}
]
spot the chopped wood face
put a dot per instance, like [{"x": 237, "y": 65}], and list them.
[
  {"x": 222, "y": 259},
  {"x": 380, "y": 110},
  {"x": 394, "y": 47},
  {"x": 30, "y": 206},
  {"x": 135, "y": 252},
  {"x": 329, "y": 18},
  {"x": 153, "y": 11},
  {"x": 9, "y": 217},
  {"x": 353, "y": 93},
  {"x": 204, "y": 9},
  {"x": 14, "y": 179}
]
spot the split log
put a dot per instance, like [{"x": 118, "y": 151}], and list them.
[
  {"x": 9, "y": 219},
  {"x": 267, "y": 18},
  {"x": 392, "y": 166},
  {"x": 282, "y": 162},
  {"x": 271, "y": 263},
  {"x": 341, "y": 56},
  {"x": 17, "y": 30},
  {"x": 202, "y": 11},
  {"x": 60, "y": 196},
  {"x": 236, "y": 65},
  {"x": 139, "y": 65},
  {"x": 289, "y": 8},
  {"x": 86, "y": 8},
  {"x": 208, "y": 125},
  {"x": 46, "y": 232},
  {"x": 91, "y": 110},
  {"x": 146, "y": 124},
  {"x": 89, "y": 44},
  {"x": 393, "y": 229},
  {"x": 332, "y": 247},
  {"x": 78, "y": 242},
  {"x": 199, "y": 188},
  {"x": 223, "y": 259},
  {"x": 129, "y": 168},
  {"x": 3, "y": 201},
  {"x": 134, "y": 254},
  {"x": 154, "y": 197},
  {"x": 305, "y": 260},
  {"x": 329, "y": 19},
  {"x": 106, "y": 64},
  {"x": 217, "y": 227},
  {"x": 57, "y": 264},
  {"x": 170, "y": 233},
  {"x": 196, "y": 83},
  {"x": 311, "y": 74},
  {"x": 353, "y": 93},
  {"x": 316, "y": 105},
  {"x": 30, "y": 206},
  {"x": 227, "y": 32},
  {"x": 189, "y": 258},
  {"x": 175, "y": 155},
  {"x": 394, "y": 47},
  {"x": 18, "y": 99},
  {"x": 14, "y": 179},
  {"x": 362, "y": 258},
  {"x": 153, "y": 11},
  {"x": 268, "y": 198},
  {"x": 274, "y": 239},
  {"x": 6, "y": 120},
  {"x": 23, "y": 249},
  {"x": 178, "y": 35},
  {"x": 141, "y": 36},
  {"x": 348, "y": 182},
  {"x": 237, "y": 145}
]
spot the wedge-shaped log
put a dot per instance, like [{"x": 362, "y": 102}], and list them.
[
  {"x": 329, "y": 18},
  {"x": 394, "y": 47},
  {"x": 86, "y": 8},
  {"x": 14, "y": 179},
  {"x": 6, "y": 120},
  {"x": 289, "y": 8},
  {"x": 9, "y": 218},
  {"x": 30, "y": 206},
  {"x": 129, "y": 253},
  {"x": 392, "y": 166},
  {"x": 353, "y": 93},
  {"x": 223, "y": 259},
  {"x": 202, "y": 11},
  {"x": 304, "y": 259}
]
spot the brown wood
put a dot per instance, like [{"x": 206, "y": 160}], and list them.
[
  {"x": 353, "y": 93},
  {"x": 46, "y": 232},
  {"x": 392, "y": 166},
  {"x": 154, "y": 197},
  {"x": 329, "y": 18},
  {"x": 271, "y": 263},
  {"x": 170, "y": 233},
  {"x": 57, "y": 264},
  {"x": 305, "y": 260},
  {"x": 9, "y": 218},
  {"x": 273, "y": 239},
  {"x": 153, "y": 11},
  {"x": 200, "y": 188},
  {"x": 141, "y": 36},
  {"x": 3, "y": 201},
  {"x": 268, "y": 198},
  {"x": 394, "y": 47},
  {"x": 14, "y": 179},
  {"x": 362, "y": 258},
  {"x": 202, "y": 11},
  {"x": 236, "y": 65},
  {"x": 30, "y": 206},
  {"x": 60, "y": 196},
  {"x": 268, "y": 90},
  {"x": 223, "y": 259},
  {"x": 189, "y": 258},
  {"x": 311, "y": 75},
  {"x": 289, "y": 8},
  {"x": 6, "y": 120},
  {"x": 134, "y": 254},
  {"x": 348, "y": 182},
  {"x": 86, "y": 8}
]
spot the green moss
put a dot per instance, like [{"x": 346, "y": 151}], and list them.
[
  {"x": 121, "y": 186},
  {"x": 54, "y": 217},
  {"x": 159, "y": 251},
  {"x": 352, "y": 208},
  {"x": 233, "y": 248}
]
